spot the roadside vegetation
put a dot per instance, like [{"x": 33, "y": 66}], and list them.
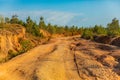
[
  {"x": 112, "y": 30},
  {"x": 33, "y": 28},
  {"x": 34, "y": 35}
]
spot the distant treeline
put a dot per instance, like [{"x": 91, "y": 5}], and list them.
[
  {"x": 34, "y": 28},
  {"x": 112, "y": 29}
]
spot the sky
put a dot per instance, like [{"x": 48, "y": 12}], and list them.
[{"x": 64, "y": 12}]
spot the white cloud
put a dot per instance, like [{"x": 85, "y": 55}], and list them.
[
  {"x": 84, "y": 19},
  {"x": 61, "y": 17},
  {"x": 54, "y": 17}
]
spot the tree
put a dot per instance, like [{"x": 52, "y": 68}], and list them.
[
  {"x": 32, "y": 27},
  {"x": 113, "y": 28},
  {"x": 21, "y": 22},
  {"x": 1, "y": 19},
  {"x": 73, "y": 30},
  {"x": 36, "y": 30},
  {"x": 51, "y": 29},
  {"x": 42, "y": 24},
  {"x": 66, "y": 28},
  {"x": 14, "y": 19},
  {"x": 87, "y": 34},
  {"x": 7, "y": 20},
  {"x": 29, "y": 24},
  {"x": 99, "y": 30},
  {"x": 80, "y": 30}
]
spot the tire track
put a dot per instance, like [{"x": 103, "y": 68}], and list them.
[{"x": 75, "y": 59}]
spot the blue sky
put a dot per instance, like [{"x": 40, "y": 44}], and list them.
[{"x": 64, "y": 12}]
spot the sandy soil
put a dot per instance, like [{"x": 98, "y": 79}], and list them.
[{"x": 67, "y": 58}]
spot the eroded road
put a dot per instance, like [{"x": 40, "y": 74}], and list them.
[{"x": 65, "y": 58}]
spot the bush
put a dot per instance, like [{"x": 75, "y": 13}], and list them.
[
  {"x": 87, "y": 34},
  {"x": 26, "y": 45},
  {"x": 113, "y": 33},
  {"x": 11, "y": 54},
  {"x": 99, "y": 30}
]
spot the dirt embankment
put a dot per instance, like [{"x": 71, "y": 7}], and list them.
[
  {"x": 65, "y": 58},
  {"x": 108, "y": 40},
  {"x": 14, "y": 40},
  {"x": 9, "y": 39}
]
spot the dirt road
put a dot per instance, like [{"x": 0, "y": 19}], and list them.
[{"x": 65, "y": 58}]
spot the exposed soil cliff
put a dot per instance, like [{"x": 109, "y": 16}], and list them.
[{"x": 9, "y": 38}]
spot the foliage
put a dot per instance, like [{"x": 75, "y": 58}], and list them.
[
  {"x": 42, "y": 24},
  {"x": 113, "y": 33},
  {"x": 11, "y": 54},
  {"x": 113, "y": 28},
  {"x": 87, "y": 34},
  {"x": 31, "y": 27},
  {"x": 51, "y": 29},
  {"x": 114, "y": 25},
  {"x": 14, "y": 19},
  {"x": 7, "y": 20},
  {"x": 1, "y": 21},
  {"x": 26, "y": 45},
  {"x": 99, "y": 30}
]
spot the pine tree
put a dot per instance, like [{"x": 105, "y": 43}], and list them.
[
  {"x": 7, "y": 20},
  {"x": 113, "y": 28},
  {"x": 42, "y": 24},
  {"x": 14, "y": 19}
]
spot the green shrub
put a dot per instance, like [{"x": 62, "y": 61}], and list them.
[
  {"x": 11, "y": 54},
  {"x": 87, "y": 34},
  {"x": 26, "y": 45},
  {"x": 99, "y": 30},
  {"x": 113, "y": 33}
]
